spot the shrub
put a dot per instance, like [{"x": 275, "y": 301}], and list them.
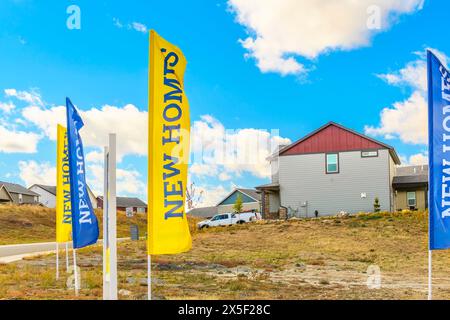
[{"x": 376, "y": 205}]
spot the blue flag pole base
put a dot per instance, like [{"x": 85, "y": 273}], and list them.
[{"x": 430, "y": 275}]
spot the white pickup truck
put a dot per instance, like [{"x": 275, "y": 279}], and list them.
[{"x": 228, "y": 219}]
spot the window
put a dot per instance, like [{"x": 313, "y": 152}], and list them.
[
  {"x": 141, "y": 210},
  {"x": 411, "y": 198},
  {"x": 369, "y": 154},
  {"x": 332, "y": 164},
  {"x": 20, "y": 198}
]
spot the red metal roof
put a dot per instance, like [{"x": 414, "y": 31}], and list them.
[{"x": 333, "y": 137}]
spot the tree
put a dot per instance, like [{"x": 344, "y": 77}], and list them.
[
  {"x": 192, "y": 197},
  {"x": 376, "y": 205},
  {"x": 238, "y": 205}
]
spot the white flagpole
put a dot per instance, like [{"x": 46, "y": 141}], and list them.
[
  {"x": 67, "y": 256},
  {"x": 57, "y": 260},
  {"x": 430, "y": 275},
  {"x": 149, "y": 277},
  {"x": 112, "y": 216},
  {"x": 430, "y": 252},
  {"x": 75, "y": 271},
  {"x": 106, "y": 277}
]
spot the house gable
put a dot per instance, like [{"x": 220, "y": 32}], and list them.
[
  {"x": 4, "y": 195},
  {"x": 48, "y": 189},
  {"x": 231, "y": 199},
  {"x": 335, "y": 138}
]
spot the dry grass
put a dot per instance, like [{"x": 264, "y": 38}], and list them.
[
  {"x": 306, "y": 259},
  {"x": 28, "y": 224}
]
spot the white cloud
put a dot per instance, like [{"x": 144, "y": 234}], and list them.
[
  {"x": 32, "y": 97},
  {"x": 128, "y": 123},
  {"x": 415, "y": 159},
  {"x": 413, "y": 75},
  {"x": 202, "y": 169},
  {"x": 282, "y": 30},
  {"x": 136, "y": 26},
  {"x": 32, "y": 172},
  {"x": 7, "y": 107},
  {"x": 46, "y": 119},
  {"x": 95, "y": 157},
  {"x": 418, "y": 159},
  {"x": 224, "y": 153},
  {"x": 12, "y": 141},
  {"x": 211, "y": 195},
  {"x": 129, "y": 182},
  {"x": 217, "y": 152},
  {"x": 224, "y": 176},
  {"x": 140, "y": 27},
  {"x": 407, "y": 119},
  {"x": 117, "y": 23}
]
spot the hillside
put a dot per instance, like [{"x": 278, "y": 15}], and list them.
[
  {"x": 325, "y": 258},
  {"x": 27, "y": 224}
]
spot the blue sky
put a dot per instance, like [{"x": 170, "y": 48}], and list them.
[{"x": 245, "y": 71}]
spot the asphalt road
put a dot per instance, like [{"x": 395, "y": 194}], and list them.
[{"x": 16, "y": 252}]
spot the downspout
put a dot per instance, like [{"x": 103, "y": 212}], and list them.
[{"x": 263, "y": 204}]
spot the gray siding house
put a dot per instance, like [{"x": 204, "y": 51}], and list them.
[
  {"x": 411, "y": 188},
  {"x": 333, "y": 169},
  {"x": 47, "y": 195},
  {"x": 12, "y": 193},
  {"x": 124, "y": 203}
]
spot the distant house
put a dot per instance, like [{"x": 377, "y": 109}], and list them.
[
  {"x": 336, "y": 169},
  {"x": 330, "y": 170},
  {"x": 411, "y": 188},
  {"x": 250, "y": 203},
  {"x": 12, "y": 193},
  {"x": 47, "y": 195},
  {"x": 122, "y": 203}
]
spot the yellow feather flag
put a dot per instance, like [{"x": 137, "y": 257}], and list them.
[
  {"x": 169, "y": 134},
  {"x": 63, "y": 207}
]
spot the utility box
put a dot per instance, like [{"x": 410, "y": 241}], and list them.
[{"x": 134, "y": 232}]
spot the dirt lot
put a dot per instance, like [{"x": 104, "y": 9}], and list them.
[{"x": 306, "y": 259}]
